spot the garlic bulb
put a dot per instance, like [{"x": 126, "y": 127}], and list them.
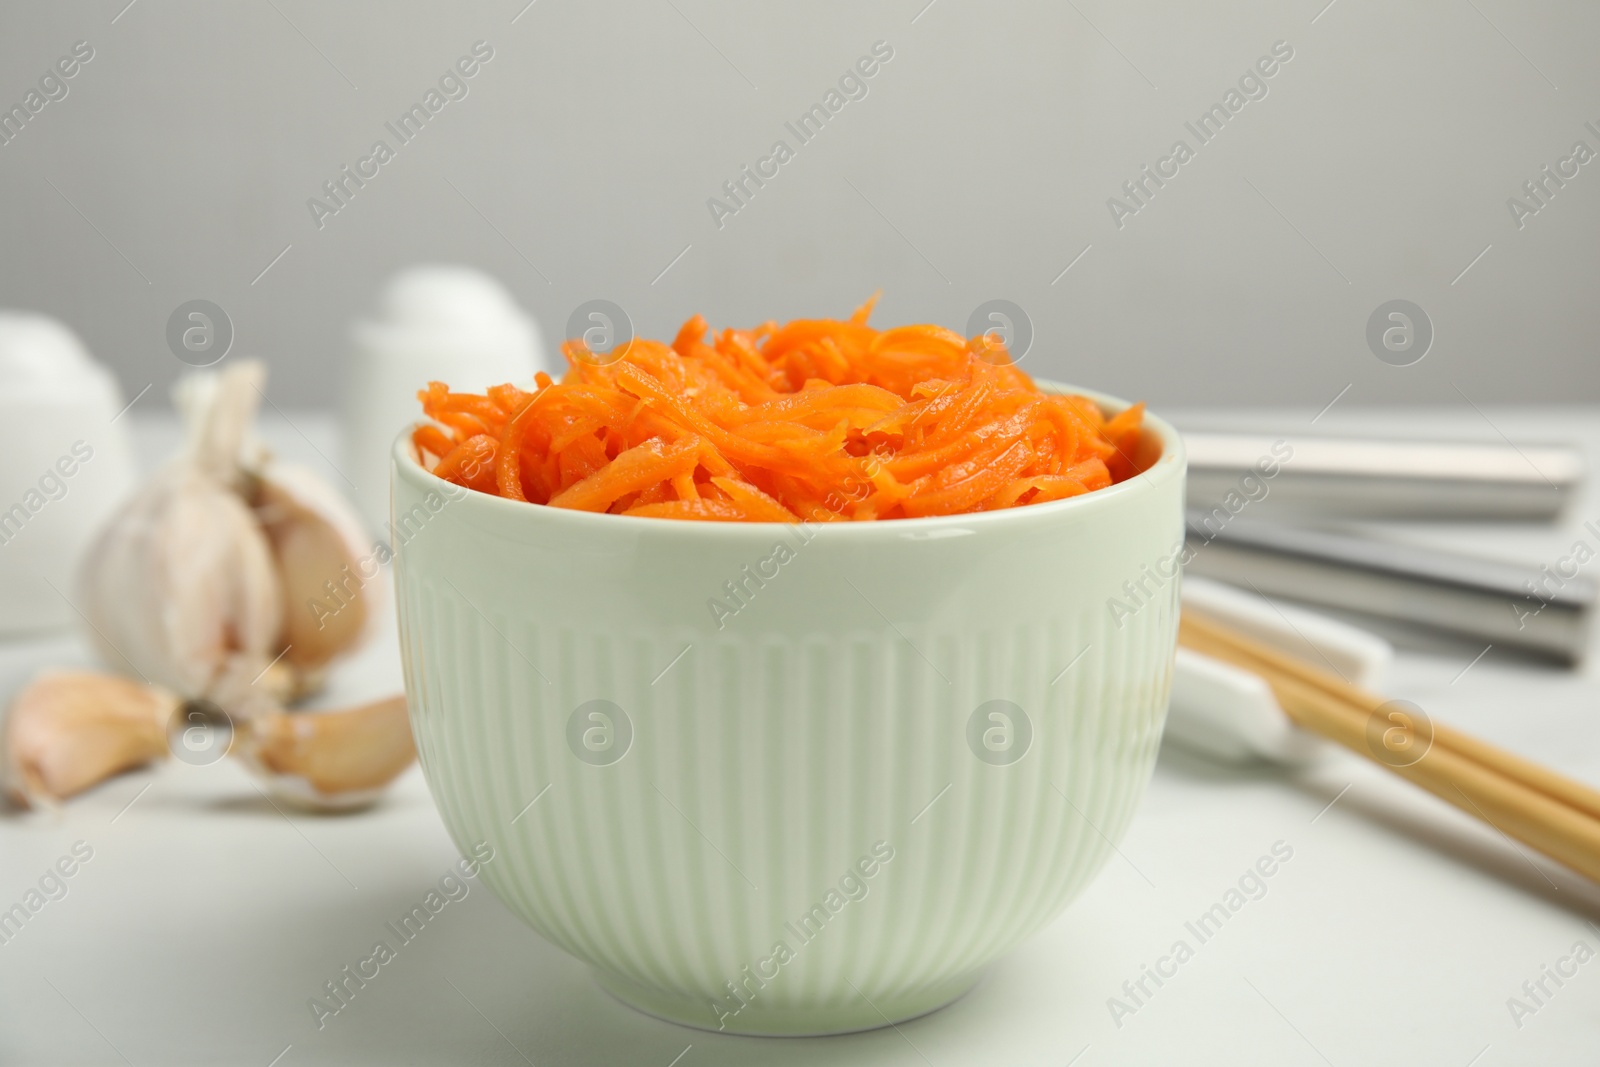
[
  {"x": 180, "y": 587},
  {"x": 330, "y": 760},
  {"x": 67, "y": 730},
  {"x": 207, "y": 580},
  {"x": 232, "y": 579}
]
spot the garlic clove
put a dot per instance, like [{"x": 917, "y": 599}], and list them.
[
  {"x": 330, "y": 760},
  {"x": 324, "y": 565},
  {"x": 69, "y": 730}
]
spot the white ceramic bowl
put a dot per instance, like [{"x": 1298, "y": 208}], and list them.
[{"x": 908, "y": 748}]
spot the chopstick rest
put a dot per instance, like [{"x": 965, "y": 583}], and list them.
[
  {"x": 1230, "y": 714},
  {"x": 1521, "y": 799},
  {"x": 1350, "y": 652}
]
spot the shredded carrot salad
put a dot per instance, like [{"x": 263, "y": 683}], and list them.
[{"x": 815, "y": 420}]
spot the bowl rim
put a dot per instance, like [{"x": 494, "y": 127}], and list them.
[{"x": 1171, "y": 465}]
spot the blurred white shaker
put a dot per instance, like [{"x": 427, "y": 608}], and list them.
[
  {"x": 435, "y": 323},
  {"x": 66, "y": 466}
]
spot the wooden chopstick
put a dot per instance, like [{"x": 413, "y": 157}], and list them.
[
  {"x": 1532, "y": 774},
  {"x": 1521, "y": 799}
]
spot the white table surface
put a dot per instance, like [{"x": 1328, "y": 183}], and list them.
[{"x": 1395, "y": 935}]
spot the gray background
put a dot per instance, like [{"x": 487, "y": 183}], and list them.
[{"x": 978, "y": 166}]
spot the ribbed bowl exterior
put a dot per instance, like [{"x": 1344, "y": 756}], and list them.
[{"x": 781, "y": 815}]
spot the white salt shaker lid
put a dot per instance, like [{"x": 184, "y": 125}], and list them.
[
  {"x": 460, "y": 312},
  {"x": 41, "y": 356},
  {"x": 434, "y": 322}
]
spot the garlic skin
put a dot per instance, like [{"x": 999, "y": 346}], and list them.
[
  {"x": 332, "y": 760},
  {"x": 68, "y": 730}
]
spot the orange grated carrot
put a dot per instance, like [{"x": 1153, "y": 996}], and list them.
[{"x": 815, "y": 420}]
